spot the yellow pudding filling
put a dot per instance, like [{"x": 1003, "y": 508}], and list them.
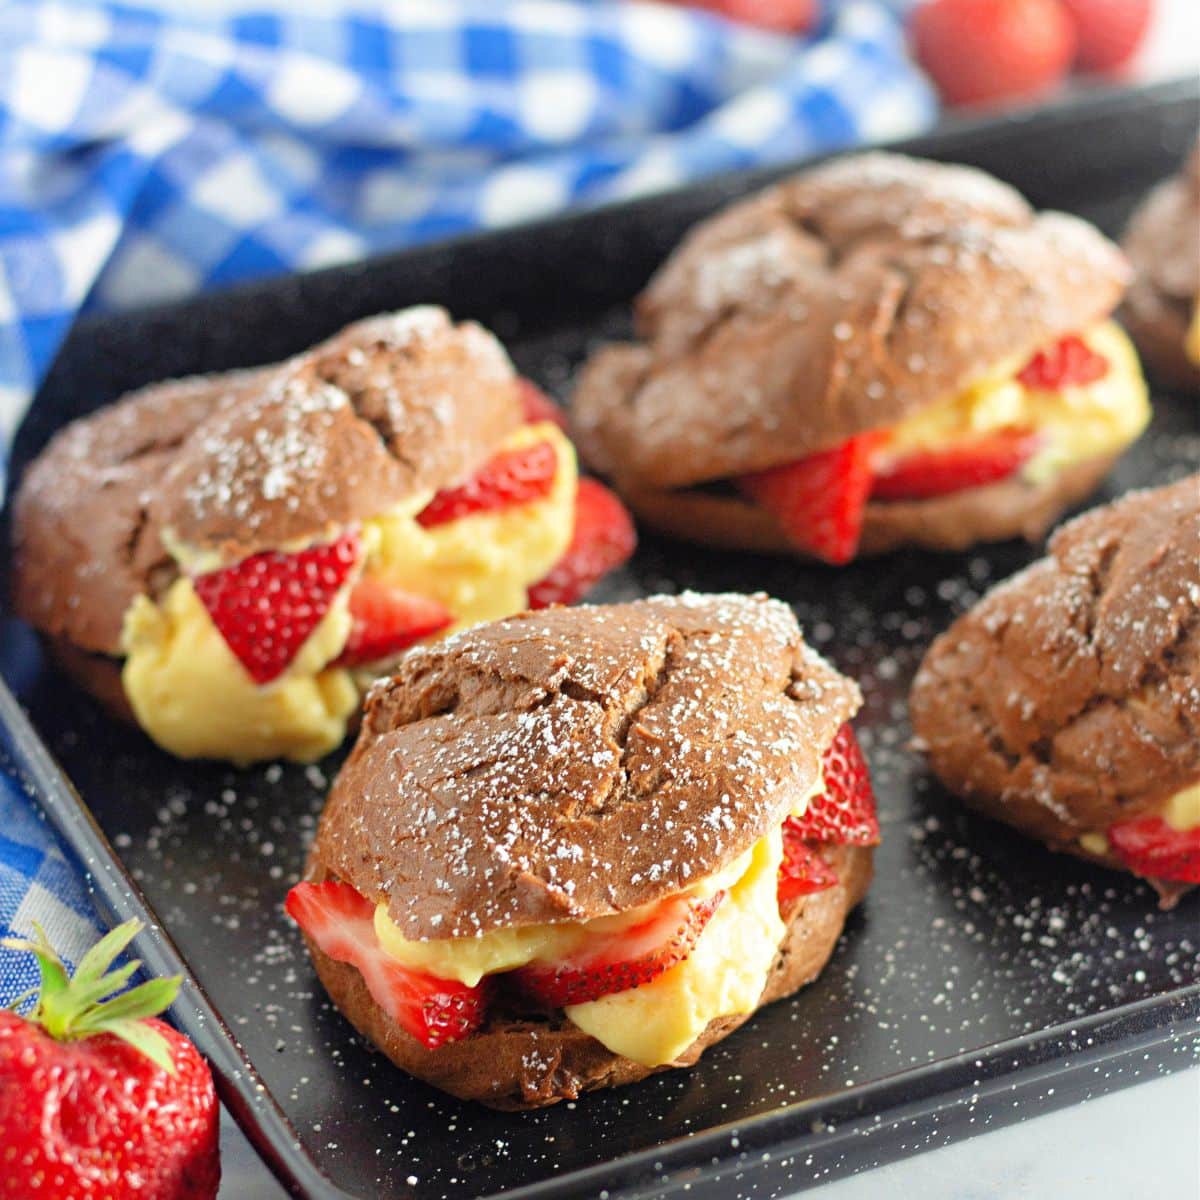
[
  {"x": 722, "y": 977},
  {"x": 469, "y": 959},
  {"x": 1191, "y": 343},
  {"x": 1077, "y": 422},
  {"x": 653, "y": 1024},
  {"x": 190, "y": 693},
  {"x": 480, "y": 566},
  {"x": 194, "y": 698},
  {"x": 1181, "y": 812}
]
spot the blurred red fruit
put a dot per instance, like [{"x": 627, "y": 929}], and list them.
[
  {"x": 784, "y": 16},
  {"x": 1109, "y": 32},
  {"x": 982, "y": 52}
]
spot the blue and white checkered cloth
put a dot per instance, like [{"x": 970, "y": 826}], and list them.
[
  {"x": 36, "y": 884},
  {"x": 145, "y": 155}
]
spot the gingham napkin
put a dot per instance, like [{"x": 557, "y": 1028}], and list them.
[
  {"x": 36, "y": 884},
  {"x": 144, "y": 156}
]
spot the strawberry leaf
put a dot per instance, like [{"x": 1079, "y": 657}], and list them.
[
  {"x": 89, "y": 993},
  {"x": 146, "y": 1000},
  {"x": 54, "y": 979},
  {"x": 104, "y": 953},
  {"x": 73, "y": 1008},
  {"x": 145, "y": 1039}
]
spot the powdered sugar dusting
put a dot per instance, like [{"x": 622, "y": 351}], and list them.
[
  {"x": 509, "y": 773},
  {"x": 265, "y": 453}
]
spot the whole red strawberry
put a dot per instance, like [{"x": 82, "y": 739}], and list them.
[
  {"x": 1110, "y": 32},
  {"x": 988, "y": 51},
  {"x": 785, "y": 16},
  {"x": 98, "y": 1099}
]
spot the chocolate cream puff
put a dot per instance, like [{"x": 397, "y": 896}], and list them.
[
  {"x": 1067, "y": 702},
  {"x": 229, "y": 559},
  {"x": 1162, "y": 310},
  {"x": 579, "y": 846},
  {"x": 878, "y": 352}
]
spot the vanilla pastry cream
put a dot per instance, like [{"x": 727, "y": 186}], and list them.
[
  {"x": 480, "y": 566},
  {"x": 195, "y": 699},
  {"x": 469, "y": 959},
  {"x": 652, "y": 1024},
  {"x": 1191, "y": 343},
  {"x": 1077, "y": 422},
  {"x": 723, "y": 976}
]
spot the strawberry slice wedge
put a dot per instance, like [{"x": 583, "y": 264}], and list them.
[
  {"x": 626, "y": 959},
  {"x": 267, "y": 606},
  {"x": 1151, "y": 847},
  {"x": 845, "y": 812},
  {"x": 538, "y": 406},
  {"x": 803, "y": 871},
  {"x": 1070, "y": 362},
  {"x": 930, "y": 473},
  {"x": 819, "y": 500},
  {"x": 511, "y": 477},
  {"x": 604, "y": 538},
  {"x": 387, "y": 620},
  {"x": 342, "y": 923}
]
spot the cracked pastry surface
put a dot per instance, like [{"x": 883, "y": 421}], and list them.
[
  {"x": 523, "y": 786},
  {"x": 1067, "y": 702},
  {"x": 872, "y": 296},
  {"x": 126, "y": 514},
  {"x": 579, "y": 735},
  {"x": 1162, "y": 310}
]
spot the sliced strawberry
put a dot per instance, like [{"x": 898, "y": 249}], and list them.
[
  {"x": 1151, "y": 847},
  {"x": 342, "y": 923},
  {"x": 1070, "y": 362},
  {"x": 844, "y": 813},
  {"x": 928, "y": 473},
  {"x": 619, "y": 961},
  {"x": 538, "y": 406},
  {"x": 819, "y": 500},
  {"x": 267, "y": 605},
  {"x": 511, "y": 477},
  {"x": 803, "y": 871},
  {"x": 387, "y": 620},
  {"x": 604, "y": 538}
]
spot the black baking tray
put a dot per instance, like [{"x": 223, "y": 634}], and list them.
[{"x": 984, "y": 979}]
